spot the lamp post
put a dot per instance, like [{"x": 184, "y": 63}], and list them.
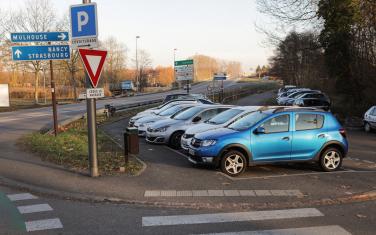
[
  {"x": 137, "y": 74},
  {"x": 175, "y": 49}
]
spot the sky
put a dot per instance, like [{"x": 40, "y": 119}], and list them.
[{"x": 222, "y": 29}]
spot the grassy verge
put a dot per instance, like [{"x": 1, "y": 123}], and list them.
[{"x": 70, "y": 149}]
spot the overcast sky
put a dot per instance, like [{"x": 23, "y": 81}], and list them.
[{"x": 219, "y": 28}]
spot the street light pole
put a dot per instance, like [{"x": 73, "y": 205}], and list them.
[
  {"x": 137, "y": 74},
  {"x": 175, "y": 49}
]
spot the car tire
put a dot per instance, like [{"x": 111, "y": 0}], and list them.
[
  {"x": 175, "y": 140},
  {"x": 331, "y": 159},
  {"x": 233, "y": 163},
  {"x": 367, "y": 127}
]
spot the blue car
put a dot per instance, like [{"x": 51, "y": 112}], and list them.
[{"x": 270, "y": 135}]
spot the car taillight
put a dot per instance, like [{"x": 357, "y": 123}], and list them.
[{"x": 342, "y": 131}]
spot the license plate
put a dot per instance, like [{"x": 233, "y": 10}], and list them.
[{"x": 191, "y": 152}]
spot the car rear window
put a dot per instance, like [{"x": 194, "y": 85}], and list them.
[{"x": 308, "y": 121}]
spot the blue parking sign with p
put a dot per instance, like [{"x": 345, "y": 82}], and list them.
[{"x": 84, "y": 20}]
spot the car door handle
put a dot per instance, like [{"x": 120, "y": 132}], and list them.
[
  {"x": 286, "y": 138},
  {"x": 321, "y": 136}
]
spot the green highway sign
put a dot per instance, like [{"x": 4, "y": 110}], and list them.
[{"x": 183, "y": 62}]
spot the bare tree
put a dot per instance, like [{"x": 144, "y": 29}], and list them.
[
  {"x": 36, "y": 16},
  {"x": 144, "y": 64},
  {"x": 115, "y": 61}
]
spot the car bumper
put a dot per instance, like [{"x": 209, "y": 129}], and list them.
[
  {"x": 198, "y": 157},
  {"x": 156, "y": 138},
  {"x": 185, "y": 143},
  {"x": 142, "y": 131}
]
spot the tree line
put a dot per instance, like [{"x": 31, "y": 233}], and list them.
[{"x": 328, "y": 45}]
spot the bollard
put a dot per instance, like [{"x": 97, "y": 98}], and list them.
[{"x": 131, "y": 143}]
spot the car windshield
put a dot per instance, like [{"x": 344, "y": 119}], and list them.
[
  {"x": 187, "y": 114},
  {"x": 224, "y": 116},
  {"x": 165, "y": 108},
  {"x": 247, "y": 121},
  {"x": 170, "y": 111}
]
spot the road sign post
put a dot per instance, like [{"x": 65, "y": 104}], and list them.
[
  {"x": 93, "y": 61},
  {"x": 45, "y": 52},
  {"x": 184, "y": 71}
]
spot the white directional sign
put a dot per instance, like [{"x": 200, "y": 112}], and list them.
[
  {"x": 4, "y": 95},
  {"x": 84, "y": 25},
  {"x": 94, "y": 93},
  {"x": 184, "y": 70}
]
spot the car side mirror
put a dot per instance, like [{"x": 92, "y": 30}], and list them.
[
  {"x": 259, "y": 130},
  {"x": 196, "y": 119}
]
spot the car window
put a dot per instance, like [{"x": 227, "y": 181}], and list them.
[
  {"x": 374, "y": 112},
  {"x": 224, "y": 116},
  {"x": 308, "y": 121},
  {"x": 277, "y": 124},
  {"x": 206, "y": 115},
  {"x": 187, "y": 114},
  {"x": 170, "y": 111}
]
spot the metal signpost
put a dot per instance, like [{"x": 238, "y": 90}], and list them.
[
  {"x": 220, "y": 77},
  {"x": 84, "y": 33},
  {"x": 184, "y": 71},
  {"x": 42, "y": 52},
  {"x": 4, "y": 95}
]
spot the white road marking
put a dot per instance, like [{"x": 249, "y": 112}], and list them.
[
  {"x": 318, "y": 230},
  {"x": 38, "y": 225},
  {"x": 175, "y": 151},
  {"x": 366, "y": 161},
  {"x": 21, "y": 196},
  {"x": 230, "y": 217},
  {"x": 223, "y": 193},
  {"x": 34, "y": 208}
]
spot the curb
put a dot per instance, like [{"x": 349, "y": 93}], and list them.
[{"x": 361, "y": 197}]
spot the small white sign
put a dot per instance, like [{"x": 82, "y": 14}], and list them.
[
  {"x": 4, "y": 95},
  {"x": 184, "y": 72},
  {"x": 95, "y": 93}
]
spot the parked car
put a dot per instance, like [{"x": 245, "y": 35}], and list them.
[
  {"x": 370, "y": 119},
  {"x": 220, "y": 120},
  {"x": 302, "y": 94},
  {"x": 181, "y": 96},
  {"x": 286, "y": 88},
  {"x": 144, "y": 122},
  {"x": 321, "y": 103},
  {"x": 282, "y": 134},
  {"x": 170, "y": 131},
  {"x": 289, "y": 99},
  {"x": 159, "y": 109}
]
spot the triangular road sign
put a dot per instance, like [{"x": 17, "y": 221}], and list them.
[{"x": 93, "y": 61}]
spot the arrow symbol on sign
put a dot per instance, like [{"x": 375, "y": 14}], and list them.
[
  {"x": 62, "y": 36},
  {"x": 18, "y": 53}
]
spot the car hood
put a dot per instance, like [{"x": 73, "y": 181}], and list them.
[
  {"x": 149, "y": 118},
  {"x": 200, "y": 128},
  {"x": 165, "y": 122},
  {"x": 215, "y": 133}
]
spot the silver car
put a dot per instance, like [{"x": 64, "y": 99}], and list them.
[
  {"x": 144, "y": 122},
  {"x": 169, "y": 131},
  {"x": 161, "y": 108},
  {"x": 221, "y": 120},
  {"x": 370, "y": 119}
]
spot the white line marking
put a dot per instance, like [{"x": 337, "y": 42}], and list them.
[
  {"x": 34, "y": 208},
  {"x": 21, "y": 196},
  {"x": 43, "y": 224},
  {"x": 175, "y": 151},
  {"x": 230, "y": 217},
  {"x": 366, "y": 161},
  {"x": 331, "y": 229}
]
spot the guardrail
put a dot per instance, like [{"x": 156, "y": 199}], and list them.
[{"x": 109, "y": 109}]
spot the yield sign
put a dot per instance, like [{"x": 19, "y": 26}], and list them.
[{"x": 93, "y": 61}]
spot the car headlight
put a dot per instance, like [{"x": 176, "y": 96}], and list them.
[
  {"x": 161, "y": 129},
  {"x": 206, "y": 143}
]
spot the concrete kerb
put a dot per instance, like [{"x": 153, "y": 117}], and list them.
[{"x": 361, "y": 197}]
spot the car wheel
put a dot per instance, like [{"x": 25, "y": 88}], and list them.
[
  {"x": 367, "y": 127},
  {"x": 331, "y": 159},
  {"x": 233, "y": 163},
  {"x": 175, "y": 140}
]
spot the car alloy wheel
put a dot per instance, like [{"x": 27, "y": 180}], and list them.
[
  {"x": 233, "y": 163},
  {"x": 175, "y": 140},
  {"x": 367, "y": 127},
  {"x": 331, "y": 159}
]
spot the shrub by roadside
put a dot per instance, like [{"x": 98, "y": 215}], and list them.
[{"x": 70, "y": 149}]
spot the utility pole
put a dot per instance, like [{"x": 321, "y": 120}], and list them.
[
  {"x": 137, "y": 74},
  {"x": 175, "y": 49},
  {"x": 53, "y": 93},
  {"x": 91, "y": 124}
]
